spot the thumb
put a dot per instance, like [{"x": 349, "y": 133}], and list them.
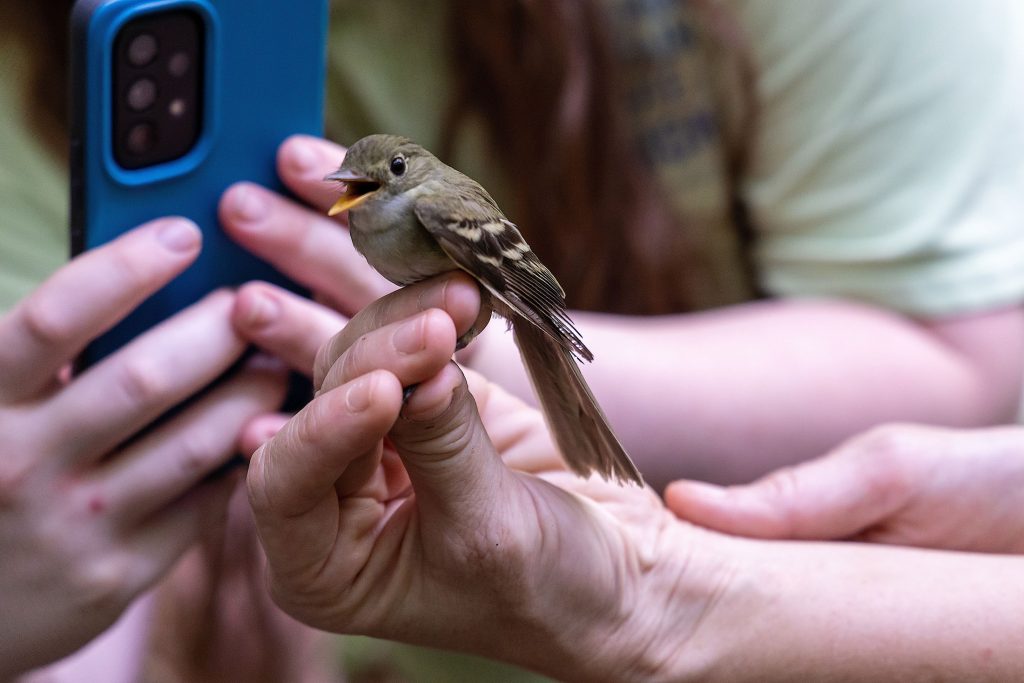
[
  {"x": 834, "y": 497},
  {"x": 454, "y": 468}
]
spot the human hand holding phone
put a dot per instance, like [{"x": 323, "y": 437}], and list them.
[{"x": 92, "y": 512}]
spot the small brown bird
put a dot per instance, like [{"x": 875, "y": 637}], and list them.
[{"x": 413, "y": 217}]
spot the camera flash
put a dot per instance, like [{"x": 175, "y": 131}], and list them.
[{"x": 176, "y": 108}]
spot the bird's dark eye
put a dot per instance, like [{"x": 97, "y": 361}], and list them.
[{"x": 398, "y": 165}]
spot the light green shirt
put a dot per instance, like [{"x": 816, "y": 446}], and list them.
[
  {"x": 33, "y": 190},
  {"x": 888, "y": 160}
]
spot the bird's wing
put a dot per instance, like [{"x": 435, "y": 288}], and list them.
[{"x": 471, "y": 229}]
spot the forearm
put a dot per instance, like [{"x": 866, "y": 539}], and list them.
[
  {"x": 689, "y": 395},
  {"x": 714, "y": 608},
  {"x": 852, "y": 612}
]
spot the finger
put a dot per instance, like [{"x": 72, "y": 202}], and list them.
[
  {"x": 283, "y": 324},
  {"x": 302, "y": 163},
  {"x": 291, "y": 479},
  {"x": 164, "y": 464},
  {"x": 454, "y": 293},
  {"x": 413, "y": 350},
  {"x": 126, "y": 391},
  {"x": 300, "y": 465},
  {"x": 87, "y": 297},
  {"x": 163, "y": 539},
  {"x": 834, "y": 497},
  {"x": 260, "y": 430},
  {"x": 451, "y": 462},
  {"x": 307, "y": 246}
]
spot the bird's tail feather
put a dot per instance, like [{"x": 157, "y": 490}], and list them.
[{"x": 579, "y": 425}]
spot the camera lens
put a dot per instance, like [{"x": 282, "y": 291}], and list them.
[
  {"x": 178, "y": 64},
  {"x": 141, "y": 94},
  {"x": 141, "y": 138},
  {"x": 142, "y": 49}
]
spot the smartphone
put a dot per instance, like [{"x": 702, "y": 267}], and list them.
[{"x": 172, "y": 102}]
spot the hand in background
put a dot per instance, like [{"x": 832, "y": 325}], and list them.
[
  {"x": 300, "y": 240},
  {"x": 899, "y": 484},
  {"x": 214, "y": 622},
  {"x": 89, "y": 515},
  {"x": 409, "y": 521}
]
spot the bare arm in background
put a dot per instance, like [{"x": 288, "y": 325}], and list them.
[{"x": 691, "y": 394}]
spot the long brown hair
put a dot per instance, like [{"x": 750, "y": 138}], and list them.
[{"x": 543, "y": 75}]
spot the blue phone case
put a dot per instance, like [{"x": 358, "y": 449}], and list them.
[{"x": 263, "y": 81}]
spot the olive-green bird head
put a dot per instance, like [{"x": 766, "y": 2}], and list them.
[{"x": 380, "y": 167}]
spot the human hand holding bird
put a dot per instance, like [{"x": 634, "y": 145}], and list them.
[{"x": 413, "y": 217}]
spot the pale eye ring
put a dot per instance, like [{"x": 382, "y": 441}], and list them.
[{"x": 398, "y": 165}]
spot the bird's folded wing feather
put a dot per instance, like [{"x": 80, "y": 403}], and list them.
[{"x": 471, "y": 229}]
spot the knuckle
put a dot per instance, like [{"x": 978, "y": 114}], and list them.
[
  {"x": 132, "y": 272},
  {"x": 46, "y": 323},
  {"x": 438, "y": 440},
  {"x": 256, "y": 481},
  {"x": 103, "y": 584},
  {"x": 888, "y": 460},
  {"x": 309, "y": 429},
  {"x": 322, "y": 364},
  {"x": 888, "y": 441},
  {"x": 782, "y": 491},
  {"x": 141, "y": 382},
  {"x": 353, "y": 362},
  {"x": 885, "y": 457},
  {"x": 195, "y": 455},
  {"x": 337, "y": 361},
  {"x": 783, "y": 485}
]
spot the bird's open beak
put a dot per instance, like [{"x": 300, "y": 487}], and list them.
[{"x": 357, "y": 189}]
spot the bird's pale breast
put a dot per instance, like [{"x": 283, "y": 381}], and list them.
[{"x": 394, "y": 242}]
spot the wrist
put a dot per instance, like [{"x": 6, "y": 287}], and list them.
[
  {"x": 622, "y": 610},
  {"x": 678, "y": 620}
]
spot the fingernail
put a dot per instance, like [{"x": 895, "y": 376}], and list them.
[
  {"x": 409, "y": 337},
  {"x": 247, "y": 203},
  {"x": 699, "y": 489},
  {"x": 262, "y": 310},
  {"x": 358, "y": 397},
  {"x": 301, "y": 158},
  {"x": 179, "y": 235}
]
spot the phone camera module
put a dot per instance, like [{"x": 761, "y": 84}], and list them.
[
  {"x": 158, "y": 71},
  {"x": 142, "y": 49},
  {"x": 141, "y": 94}
]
